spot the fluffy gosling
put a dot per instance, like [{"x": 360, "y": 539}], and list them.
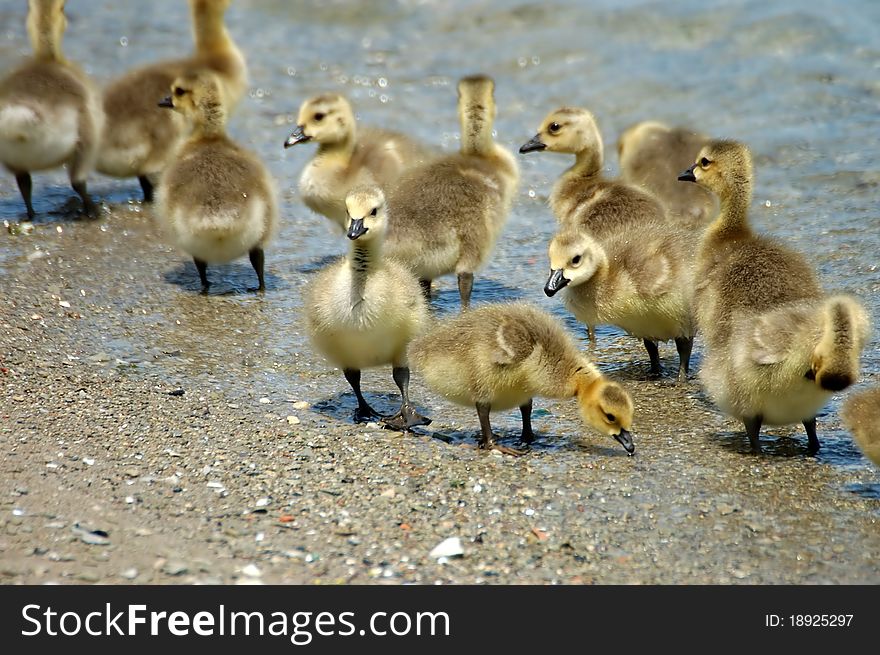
[
  {"x": 861, "y": 414},
  {"x": 642, "y": 284},
  {"x": 216, "y": 200},
  {"x": 49, "y": 110},
  {"x": 583, "y": 196},
  {"x": 446, "y": 215},
  {"x": 776, "y": 346},
  {"x": 139, "y": 138},
  {"x": 362, "y": 311},
  {"x": 500, "y": 356},
  {"x": 651, "y": 155},
  {"x": 347, "y": 156}
]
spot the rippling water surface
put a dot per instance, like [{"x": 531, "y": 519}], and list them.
[{"x": 797, "y": 81}]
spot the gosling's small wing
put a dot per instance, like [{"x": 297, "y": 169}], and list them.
[
  {"x": 775, "y": 334},
  {"x": 511, "y": 343}
]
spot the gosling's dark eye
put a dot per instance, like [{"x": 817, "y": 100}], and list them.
[
  {"x": 704, "y": 162},
  {"x": 576, "y": 260},
  {"x": 554, "y": 128},
  {"x": 611, "y": 417},
  {"x": 319, "y": 117},
  {"x": 178, "y": 91},
  {"x": 373, "y": 212}
]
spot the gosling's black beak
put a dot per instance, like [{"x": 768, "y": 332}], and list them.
[
  {"x": 533, "y": 145},
  {"x": 356, "y": 228},
  {"x": 166, "y": 102},
  {"x": 688, "y": 175},
  {"x": 298, "y": 136},
  {"x": 626, "y": 440},
  {"x": 555, "y": 282}
]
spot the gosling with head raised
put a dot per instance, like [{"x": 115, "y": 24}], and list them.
[
  {"x": 49, "y": 110},
  {"x": 446, "y": 214},
  {"x": 139, "y": 138},
  {"x": 216, "y": 201},
  {"x": 777, "y": 347},
  {"x": 640, "y": 282},
  {"x": 500, "y": 356},
  {"x": 583, "y": 196},
  {"x": 861, "y": 414},
  {"x": 651, "y": 155},
  {"x": 347, "y": 156},
  {"x": 362, "y": 311}
]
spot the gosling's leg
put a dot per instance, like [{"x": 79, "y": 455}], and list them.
[
  {"x": 654, "y": 355},
  {"x": 202, "y": 268},
  {"x": 407, "y": 417},
  {"x": 89, "y": 206},
  {"x": 364, "y": 412},
  {"x": 257, "y": 260},
  {"x": 465, "y": 286},
  {"x": 426, "y": 288},
  {"x": 813, "y": 440},
  {"x": 487, "y": 439},
  {"x": 591, "y": 335},
  {"x": 146, "y": 187},
  {"x": 526, "y": 410},
  {"x": 684, "y": 345},
  {"x": 753, "y": 429},
  {"x": 25, "y": 186}
]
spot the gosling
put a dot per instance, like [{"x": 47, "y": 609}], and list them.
[
  {"x": 139, "y": 139},
  {"x": 362, "y": 311},
  {"x": 216, "y": 200},
  {"x": 861, "y": 414},
  {"x": 347, "y": 157},
  {"x": 651, "y": 155},
  {"x": 500, "y": 356},
  {"x": 446, "y": 215},
  {"x": 583, "y": 196},
  {"x": 640, "y": 284},
  {"x": 50, "y": 114},
  {"x": 777, "y": 347}
]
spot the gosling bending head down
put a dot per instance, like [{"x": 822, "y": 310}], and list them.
[{"x": 500, "y": 356}]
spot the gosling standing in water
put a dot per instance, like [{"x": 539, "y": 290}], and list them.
[
  {"x": 446, "y": 215},
  {"x": 651, "y": 155},
  {"x": 777, "y": 347},
  {"x": 500, "y": 356},
  {"x": 861, "y": 414},
  {"x": 362, "y": 311},
  {"x": 347, "y": 156},
  {"x": 50, "y": 114},
  {"x": 640, "y": 284},
  {"x": 139, "y": 138},
  {"x": 583, "y": 196},
  {"x": 216, "y": 200}
]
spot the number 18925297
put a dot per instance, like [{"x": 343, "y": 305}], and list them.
[{"x": 820, "y": 620}]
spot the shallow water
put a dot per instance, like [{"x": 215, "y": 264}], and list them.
[{"x": 797, "y": 83}]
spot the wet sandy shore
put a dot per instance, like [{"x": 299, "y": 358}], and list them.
[{"x": 152, "y": 435}]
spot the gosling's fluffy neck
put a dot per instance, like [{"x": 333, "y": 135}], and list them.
[
  {"x": 733, "y": 218},
  {"x": 584, "y": 381},
  {"x": 339, "y": 150},
  {"x": 475, "y": 117},
  {"x": 210, "y": 122},
  {"x": 40, "y": 27},
  {"x": 209, "y": 29},
  {"x": 363, "y": 259}
]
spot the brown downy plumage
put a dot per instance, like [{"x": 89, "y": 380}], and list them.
[
  {"x": 861, "y": 414},
  {"x": 140, "y": 138},
  {"x": 777, "y": 347},
  {"x": 651, "y": 156},
  {"x": 583, "y": 196},
  {"x": 641, "y": 282},
  {"x": 49, "y": 110},
  {"x": 216, "y": 201},
  {"x": 500, "y": 356},
  {"x": 348, "y": 156},
  {"x": 446, "y": 215}
]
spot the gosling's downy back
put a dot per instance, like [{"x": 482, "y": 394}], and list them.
[{"x": 861, "y": 414}]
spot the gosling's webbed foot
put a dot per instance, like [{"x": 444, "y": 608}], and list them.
[
  {"x": 365, "y": 414},
  {"x": 504, "y": 450},
  {"x": 405, "y": 419}
]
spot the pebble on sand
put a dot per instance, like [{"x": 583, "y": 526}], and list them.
[{"x": 450, "y": 547}]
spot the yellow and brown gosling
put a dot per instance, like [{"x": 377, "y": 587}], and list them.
[
  {"x": 861, "y": 414},
  {"x": 50, "y": 115},
  {"x": 501, "y": 356}
]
